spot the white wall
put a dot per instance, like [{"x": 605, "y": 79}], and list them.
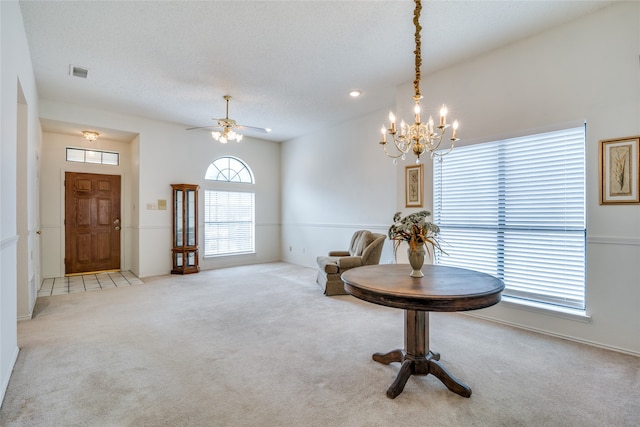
[
  {"x": 587, "y": 70},
  {"x": 135, "y": 197},
  {"x": 334, "y": 183},
  {"x": 163, "y": 154},
  {"x": 18, "y": 126}
]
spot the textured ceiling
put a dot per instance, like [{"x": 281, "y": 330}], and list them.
[{"x": 289, "y": 65}]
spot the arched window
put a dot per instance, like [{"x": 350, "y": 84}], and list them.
[
  {"x": 229, "y": 216},
  {"x": 229, "y": 169}
]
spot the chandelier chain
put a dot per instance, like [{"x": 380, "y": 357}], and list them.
[{"x": 417, "y": 52}]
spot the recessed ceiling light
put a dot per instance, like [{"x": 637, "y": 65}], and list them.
[{"x": 355, "y": 93}]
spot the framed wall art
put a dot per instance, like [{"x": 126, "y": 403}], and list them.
[
  {"x": 619, "y": 173},
  {"x": 414, "y": 186}
]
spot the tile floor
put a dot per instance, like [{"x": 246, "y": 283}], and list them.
[{"x": 87, "y": 282}]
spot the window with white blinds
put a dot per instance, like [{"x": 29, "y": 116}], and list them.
[
  {"x": 229, "y": 225},
  {"x": 516, "y": 209},
  {"x": 229, "y": 216}
]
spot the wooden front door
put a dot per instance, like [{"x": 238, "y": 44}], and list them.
[{"x": 92, "y": 222}]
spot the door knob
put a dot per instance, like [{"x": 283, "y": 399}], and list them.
[
  {"x": 116, "y": 228},
  {"x": 116, "y": 221}
]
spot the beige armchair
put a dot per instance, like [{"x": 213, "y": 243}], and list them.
[{"x": 365, "y": 249}]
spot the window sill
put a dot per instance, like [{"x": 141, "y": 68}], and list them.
[
  {"x": 536, "y": 307},
  {"x": 230, "y": 254}
]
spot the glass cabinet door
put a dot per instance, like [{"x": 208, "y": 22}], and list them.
[
  {"x": 191, "y": 259},
  {"x": 191, "y": 217},
  {"x": 178, "y": 230}
]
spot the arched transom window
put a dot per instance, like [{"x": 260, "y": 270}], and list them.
[{"x": 229, "y": 169}]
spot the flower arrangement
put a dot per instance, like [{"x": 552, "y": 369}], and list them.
[{"x": 415, "y": 230}]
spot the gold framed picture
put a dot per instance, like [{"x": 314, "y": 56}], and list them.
[
  {"x": 414, "y": 182},
  {"x": 619, "y": 173}
]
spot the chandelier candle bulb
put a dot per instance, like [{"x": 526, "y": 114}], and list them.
[
  {"x": 455, "y": 130},
  {"x": 416, "y": 110},
  {"x": 384, "y": 134},
  {"x": 443, "y": 115}
]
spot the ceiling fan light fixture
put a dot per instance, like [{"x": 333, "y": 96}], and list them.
[
  {"x": 228, "y": 127},
  {"x": 226, "y": 135}
]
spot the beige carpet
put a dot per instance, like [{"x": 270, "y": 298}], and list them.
[{"x": 261, "y": 346}]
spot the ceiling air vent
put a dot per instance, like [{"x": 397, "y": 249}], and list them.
[{"x": 78, "y": 72}]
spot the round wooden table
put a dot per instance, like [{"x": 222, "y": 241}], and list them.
[{"x": 441, "y": 289}]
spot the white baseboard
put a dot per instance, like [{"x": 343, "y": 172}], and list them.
[{"x": 561, "y": 336}]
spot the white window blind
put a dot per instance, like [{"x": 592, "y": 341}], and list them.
[
  {"x": 516, "y": 209},
  {"x": 229, "y": 224}
]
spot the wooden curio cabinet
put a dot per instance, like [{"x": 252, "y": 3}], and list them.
[{"x": 185, "y": 229}]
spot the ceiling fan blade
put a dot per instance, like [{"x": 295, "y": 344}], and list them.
[
  {"x": 263, "y": 130},
  {"x": 204, "y": 127},
  {"x": 228, "y": 124}
]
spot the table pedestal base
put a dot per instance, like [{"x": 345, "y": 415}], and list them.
[{"x": 417, "y": 359}]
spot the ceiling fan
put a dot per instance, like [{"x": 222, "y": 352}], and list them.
[{"x": 226, "y": 129}]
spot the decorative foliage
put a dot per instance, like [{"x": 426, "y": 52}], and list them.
[{"x": 415, "y": 230}]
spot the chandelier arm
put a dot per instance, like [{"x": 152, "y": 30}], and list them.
[
  {"x": 393, "y": 156},
  {"x": 399, "y": 143},
  {"x": 435, "y": 143},
  {"x": 436, "y": 154}
]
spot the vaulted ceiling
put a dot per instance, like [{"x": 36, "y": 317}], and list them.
[{"x": 289, "y": 65}]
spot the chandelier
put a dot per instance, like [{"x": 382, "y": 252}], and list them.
[{"x": 418, "y": 137}]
